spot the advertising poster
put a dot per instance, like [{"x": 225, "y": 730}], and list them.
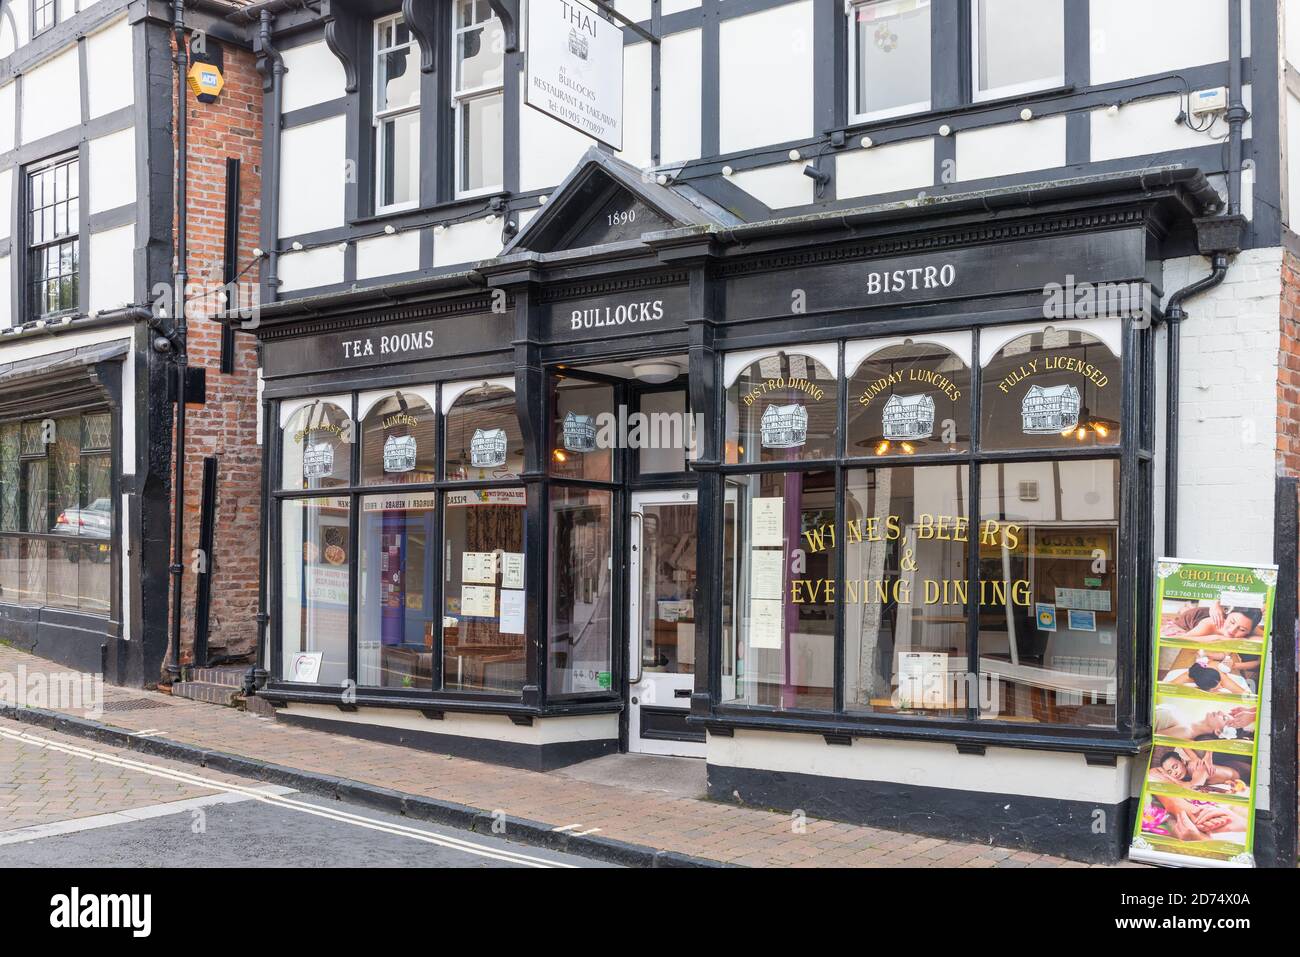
[{"x": 1198, "y": 798}]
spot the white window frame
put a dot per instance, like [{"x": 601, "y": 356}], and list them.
[
  {"x": 1015, "y": 89},
  {"x": 851, "y": 8},
  {"x": 380, "y": 116},
  {"x": 460, "y": 101},
  {"x": 54, "y": 16}
]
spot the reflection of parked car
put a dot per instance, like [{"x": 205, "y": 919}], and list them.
[{"x": 93, "y": 521}]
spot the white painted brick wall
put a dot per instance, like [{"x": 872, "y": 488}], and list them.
[{"x": 1227, "y": 459}]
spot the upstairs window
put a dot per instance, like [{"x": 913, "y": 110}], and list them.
[
  {"x": 397, "y": 116},
  {"x": 53, "y": 226},
  {"x": 44, "y": 15},
  {"x": 889, "y": 58},
  {"x": 1018, "y": 46},
  {"x": 478, "y": 46}
]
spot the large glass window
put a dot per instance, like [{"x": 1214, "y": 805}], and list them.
[
  {"x": 397, "y": 601},
  {"x": 484, "y": 442},
  {"x": 908, "y": 398},
  {"x": 53, "y": 243},
  {"x": 1018, "y": 46},
  {"x": 399, "y": 433},
  {"x": 56, "y": 512},
  {"x": 478, "y": 46},
  {"x": 316, "y": 446},
  {"x": 889, "y": 57},
  {"x": 315, "y": 589},
  {"x": 582, "y": 445},
  {"x": 580, "y": 576},
  {"x": 783, "y": 407},
  {"x": 396, "y": 116}
]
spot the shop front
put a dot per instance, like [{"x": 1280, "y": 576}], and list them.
[{"x": 853, "y": 506}]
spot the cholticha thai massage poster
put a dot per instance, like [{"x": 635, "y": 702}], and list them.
[{"x": 1211, "y": 645}]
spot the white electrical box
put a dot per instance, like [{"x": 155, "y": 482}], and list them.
[{"x": 1214, "y": 100}]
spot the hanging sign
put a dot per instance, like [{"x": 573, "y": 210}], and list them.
[
  {"x": 575, "y": 68},
  {"x": 1198, "y": 799}
]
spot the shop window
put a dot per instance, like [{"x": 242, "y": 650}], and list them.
[
  {"x": 669, "y": 435},
  {"x": 484, "y": 590},
  {"x": 484, "y": 442},
  {"x": 580, "y": 573},
  {"x": 399, "y": 435},
  {"x": 314, "y": 589},
  {"x": 782, "y": 407},
  {"x": 1018, "y": 46},
  {"x": 1048, "y": 640},
  {"x": 906, "y": 534},
  {"x": 316, "y": 447},
  {"x": 396, "y": 116},
  {"x": 889, "y": 58},
  {"x": 56, "y": 512},
  {"x": 1050, "y": 389},
  {"x": 782, "y": 583},
  {"x": 478, "y": 46},
  {"x": 908, "y": 398},
  {"x": 396, "y": 603},
  {"x": 583, "y": 420}
]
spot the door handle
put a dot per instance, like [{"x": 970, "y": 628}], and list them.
[
  {"x": 681, "y": 692},
  {"x": 634, "y": 628}
]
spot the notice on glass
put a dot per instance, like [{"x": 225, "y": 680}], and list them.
[
  {"x": 766, "y": 623},
  {"x": 767, "y": 523},
  {"x": 479, "y": 568},
  {"x": 766, "y": 570},
  {"x": 512, "y": 570},
  {"x": 1086, "y": 598},
  {"x": 512, "y": 611},
  {"x": 478, "y": 601}
]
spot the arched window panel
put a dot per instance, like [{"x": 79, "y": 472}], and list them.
[
  {"x": 582, "y": 440},
  {"x": 1053, "y": 387},
  {"x": 782, "y": 406},
  {"x": 908, "y": 396},
  {"x": 399, "y": 438},
  {"x": 316, "y": 443},
  {"x": 483, "y": 440}
]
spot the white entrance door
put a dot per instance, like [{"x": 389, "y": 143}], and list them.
[{"x": 662, "y": 623}]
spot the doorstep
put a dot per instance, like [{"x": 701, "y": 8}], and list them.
[{"x": 594, "y": 810}]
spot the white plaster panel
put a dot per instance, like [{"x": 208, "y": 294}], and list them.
[
  {"x": 388, "y": 255},
  {"x": 548, "y": 149},
  {"x": 313, "y": 170},
  {"x": 667, "y": 7},
  {"x": 638, "y": 10},
  {"x": 467, "y": 243},
  {"x": 52, "y": 96},
  {"x": 1194, "y": 33},
  {"x": 6, "y": 318},
  {"x": 766, "y": 77},
  {"x": 636, "y": 105},
  {"x": 885, "y": 169},
  {"x": 1145, "y": 127},
  {"x": 1019, "y": 147},
  {"x": 6, "y": 202},
  {"x": 314, "y": 267},
  {"x": 778, "y": 186},
  {"x": 1292, "y": 172},
  {"x": 112, "y": 268},
  {"x": 7, "y": 107},
  {"x": 680, "y": 93},
  {"x": 312, "y": 75},
  {"x": 111, "y": 83},
  {"x": 112, "y": 171}
]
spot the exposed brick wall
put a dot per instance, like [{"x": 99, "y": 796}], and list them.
[
  {"x": 1288, "y": 385},
  {"x": 226, "y": 426}
]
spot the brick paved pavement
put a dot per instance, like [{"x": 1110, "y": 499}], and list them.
[{"x": 722, "y": 832}]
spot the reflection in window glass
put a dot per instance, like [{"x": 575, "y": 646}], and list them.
[
  {"x": 783, "y": 582},
  {"x": 396, "y": 604},
  {"x": 783, "y": 408},
  {"x": 483, "y": 591},
  {"x": 484, "y": 442},
  {"x": 1057, "y": 389},
  {"x": 1047, "y": 640},
  {"x": 909, "y": 399},
  {"x": 668, "y": 435},
  {"x": 1019, "y": 46},
  {"x": 891, "y": 45},
  {"x": 399, "y": 441},
  {"x": 905, "y": 590},
  {"x": 316, "y": 450},
  {"x": 579, "y": 576},
  {"x": 314, "y": 589},
  {"x": 578, "y": 449}
]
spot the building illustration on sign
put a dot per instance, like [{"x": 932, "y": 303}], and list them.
[
  {"x": 909, "y": 417},
  {"x": 579, "y": 433},
  {"x": 1047, "y": 409},
  {"x": 318, "y": 461},
  {"x": 784, "y": 426},
  {"x": 578, "y": 45},
  {"x": 487, "y": 449},
  {"x": 399, "y": 453}
]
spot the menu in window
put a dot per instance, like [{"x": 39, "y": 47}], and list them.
[
  {"x": 512, "y": 570},
  {"x": 513, "y": 606},
  {"x": 767, "y": 523},
  {"x": 766, "y": 623},
  {"x": 479, "y": 568},
  {"x": 478, "y": 601},
  {"x": 766, "y": 571}
]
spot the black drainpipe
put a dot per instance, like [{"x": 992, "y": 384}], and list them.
[
  {"x": 271, "y": 154},
  {"x": 1217, "y": 237}
]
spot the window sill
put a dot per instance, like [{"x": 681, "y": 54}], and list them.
[
  {"x": 983, "y": 734},
  {"x": 434, "y": 703},
  {"x": 433, "y": 212},
  {"x": 854, "y": 127}
]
